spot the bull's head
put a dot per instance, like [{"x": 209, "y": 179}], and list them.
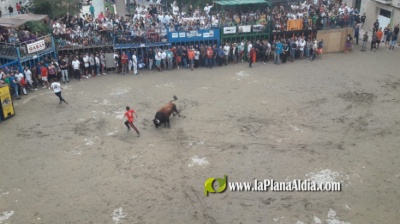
[{"x": 156, "y": 122}]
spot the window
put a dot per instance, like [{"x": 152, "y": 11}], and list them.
[{"x": 385, "y": 13}]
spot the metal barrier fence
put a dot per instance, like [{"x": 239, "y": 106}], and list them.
[
  {"x": 235, "y": 34},
  {"x": 12, "y": 65},
  {"x": 28, "y": 53}
]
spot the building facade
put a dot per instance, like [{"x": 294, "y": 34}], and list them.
[{"x": 385, "y": 11}]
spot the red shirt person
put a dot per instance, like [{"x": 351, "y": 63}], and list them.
[
  {"x": 44, "y": 73},
  {"x": 209, "y": 54},
  {"x": 124, "y": 62},
  {"x": 129, "y": 123},
  {"x": 253, "y": 56}
]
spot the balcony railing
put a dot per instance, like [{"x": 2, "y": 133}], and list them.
[{"x": 386, "y": 2}]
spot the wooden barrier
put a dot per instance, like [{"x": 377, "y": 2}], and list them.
[{"x": 334, "y": 39}]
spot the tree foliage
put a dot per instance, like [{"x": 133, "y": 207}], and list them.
[{"x": 56, "y": 8}]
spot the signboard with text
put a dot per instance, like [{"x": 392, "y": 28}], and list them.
[{"x": 35, "y": 47}]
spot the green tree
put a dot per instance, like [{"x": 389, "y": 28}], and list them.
[{"x": 56, "y": 8}]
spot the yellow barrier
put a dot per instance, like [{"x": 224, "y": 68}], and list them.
[{"x": 6, "y": 105}]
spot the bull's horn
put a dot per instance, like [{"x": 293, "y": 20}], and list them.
[{"x": 157, "y": 121}]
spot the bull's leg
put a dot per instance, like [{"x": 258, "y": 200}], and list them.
[
  {"x": 167, "y": 122},
  {"x": 176, "y": 110}
]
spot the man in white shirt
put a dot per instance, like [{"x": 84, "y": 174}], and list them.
[
  {"x": 226, "y": 52},
  {"x": 134, "y": 63},
  {"x": 302, "y": 44},
  {"x": 249, "y": 46},
  {"x": 75, "y": 66},
  {"x": 164, "y": 59},
  {"x": 207, "y": 9},
  {"x": 57, "y": 90},
  {"x": 28, "y": 78},
  {"x": 86, "y": 63},
  {"x": 18, "y": 76},
  {"x": 175, "y": 10}
]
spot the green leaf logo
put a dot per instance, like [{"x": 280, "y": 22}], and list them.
[{"x": 208, "y": 185}]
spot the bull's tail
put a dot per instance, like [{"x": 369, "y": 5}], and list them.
[{"x": 175, "y": 98}]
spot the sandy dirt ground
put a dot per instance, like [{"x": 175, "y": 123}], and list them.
[{"x": 335, "y": 119}]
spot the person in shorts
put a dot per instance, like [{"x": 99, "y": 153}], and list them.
[{"x": 44, "y": 74}]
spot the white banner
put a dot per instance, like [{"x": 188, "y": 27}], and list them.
[
  {"x": 258, "y": 28},
  {"x": 230, "y": 29},
  {"x": 35, "y": 47},
  {"x": 244, "y": 29}
]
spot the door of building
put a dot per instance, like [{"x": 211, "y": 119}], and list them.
[{"x": 384, "y": 17}]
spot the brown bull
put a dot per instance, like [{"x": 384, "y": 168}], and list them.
[{"x": 163, "y": 114}]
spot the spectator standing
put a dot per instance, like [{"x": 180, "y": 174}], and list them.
[
  {"x": 285, "y": 52},
  {"x": 18, "y": 8},
  {"x": 379, "y": 35},
  {"x": 124, "y": 63},
  {"x": 396, "y": 30},
  {"x": 170, "y": 57},
  {"x": 164, "y": 59},
  {"x": 363, "y": 17},
  {"x": 134, "y": 63},
  {"x": 64, "y": 69},
  {"x": 191, "y": 55},
  {"x": 103, "y": 62},
  {"x": 209, "y": 54},
  {"x": 75, "y": 67},
  {"x": 151, "y": 58},
  {"x": 226, "y": 53},
  {"x": 278, "y": 52},
  {"x": 314, "y": 50},
  {"x": 52, "y": 72},
  {"x": 86, "y": 64},
  {"x": 10, "y": 10},
  {"x": 179, "y": 53},
  {"x": 196, "y": 58},
  {"x": 44, "y": 72},
  {"x": 14, "y": 85},
  {"x": 365, "y": 39},
  {"x": 28, "y": 78},
  {"x": 373, "y": 41},
  {"x": 184, "y": 57},
  {"x": 158, "y": 60},
  {"x": 302, "y": 45},
  {"x": 97, "y": 62},
  {"x": 393, "y": 41},
  {"x": 375, "y": 27},
  {"x": 253, "y": 55},
  {"x": 92, "y": 64},
  {"x": 349, "y": 39},
  {"x": 357, "y": 32},
  {"x": 235, "y": 53},
  {"x": 388, "y": 37},
  {"x": 91, "y": 10},
  {"x": 207, "y": 9}
]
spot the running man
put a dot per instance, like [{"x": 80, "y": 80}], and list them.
[
  {"x": 57, "y": 90},
  {"x": 129, "y": 114}
]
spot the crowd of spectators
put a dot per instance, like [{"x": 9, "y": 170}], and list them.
[
  {"x": 150, "y": 23},
  {"x": 17, "y": 35},
  {"x": 320, "y": 14}
]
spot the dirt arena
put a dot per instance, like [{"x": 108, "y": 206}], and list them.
[{"x": 335, "y": 119}]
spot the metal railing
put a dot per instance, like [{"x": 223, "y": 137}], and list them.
[{"x": 19, "y": 49}]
